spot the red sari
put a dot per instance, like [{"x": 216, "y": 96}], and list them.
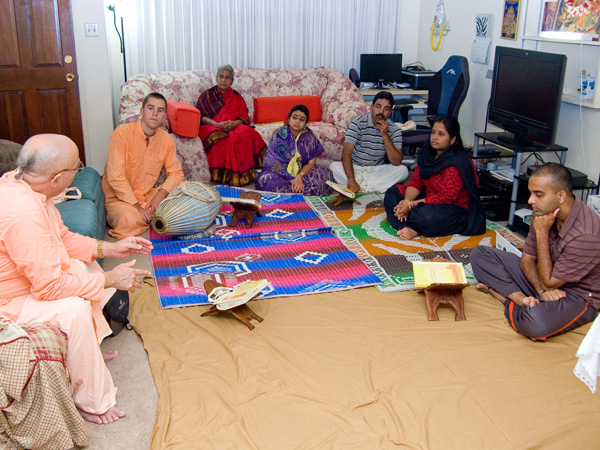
[{"x": 232, "y": 157}]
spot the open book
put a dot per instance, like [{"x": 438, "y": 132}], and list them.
[
  {"x": 241, "y": 201},
  {"x": 224, "y": 297},
  {"x": 341, "y": 189},
  {"x": 429, "y": 272}
]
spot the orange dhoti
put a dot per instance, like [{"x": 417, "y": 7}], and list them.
[{"x": 85, "y": 327}]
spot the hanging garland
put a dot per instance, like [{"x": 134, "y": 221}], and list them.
[{"x": 579, "y": 10}]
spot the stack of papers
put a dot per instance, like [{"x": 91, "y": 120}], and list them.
[{"x": 504, "y": 174}]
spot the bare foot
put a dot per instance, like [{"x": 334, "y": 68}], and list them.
[
  {"x": 112, "y": 415},
  {"x": 109, "y": 356},
  {"x": 406, "y": 234},
  {"x": 483, "y": 288},
  {"x": 488, "y": 290}
]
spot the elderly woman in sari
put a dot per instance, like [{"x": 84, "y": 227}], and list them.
[
  {"x": 289, "y": 165},
  {"x": 233, "y": 149}
]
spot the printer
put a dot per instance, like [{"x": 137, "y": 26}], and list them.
[{"x": 418, "y": 79}]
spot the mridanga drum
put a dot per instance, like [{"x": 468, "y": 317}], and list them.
[{"x": 190, "y": 208}]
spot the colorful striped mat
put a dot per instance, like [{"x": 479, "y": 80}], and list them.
[
  {"x": 364, "y": 229},
  {"x": 289, "y": 245}
]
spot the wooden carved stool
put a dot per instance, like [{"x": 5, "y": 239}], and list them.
[
  {"x": 437, "y": 294},
  {"x": 246, "y": 211},
  {"x": 242, "y": 312}
]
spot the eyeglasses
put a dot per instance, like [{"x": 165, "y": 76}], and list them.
[{"x": 79, "y": 168}]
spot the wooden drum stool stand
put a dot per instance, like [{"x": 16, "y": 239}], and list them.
[
  {"x": 245, "y": 211},
  {"x": 438, "y": 294},
  {"x": 242, "y": 312}
]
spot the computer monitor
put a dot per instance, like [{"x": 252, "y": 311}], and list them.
[
  {"x": 381, "y": 68},
  {"x": 526, "y": 95}
]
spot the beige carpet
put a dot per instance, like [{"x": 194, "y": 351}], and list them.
[
  {"x": 361, "y": 369},
  {"x": 136, "y": 394}
]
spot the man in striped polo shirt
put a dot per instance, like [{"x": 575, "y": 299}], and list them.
[
  {"x": 555, "y": 286},
  {"x": 372, "y": 152}
]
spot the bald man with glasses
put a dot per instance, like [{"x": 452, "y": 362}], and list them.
[{"x": 49, "y": 274}]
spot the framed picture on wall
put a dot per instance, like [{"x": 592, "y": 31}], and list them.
[
  {"x": 577, "y": 16},
  {"x": 510, "y": 19}
]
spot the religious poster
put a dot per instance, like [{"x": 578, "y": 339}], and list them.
[
  {"x": 579, "y": 16},
  {"x": 549, "y": 15},
  {"x": 510, "y": 19}
]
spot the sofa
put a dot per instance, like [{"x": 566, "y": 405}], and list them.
[
  {"x": 339, "y": 98},
  {"x": 85, "y": 216}
]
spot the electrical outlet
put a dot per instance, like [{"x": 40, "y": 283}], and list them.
[{"x": 91, "y": 30}]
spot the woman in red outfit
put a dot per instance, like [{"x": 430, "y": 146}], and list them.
[
  {"x": 441, "y": 198},
  {"x": 232, "y": 147}
]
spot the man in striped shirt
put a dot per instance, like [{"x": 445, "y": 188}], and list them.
[
  {"x": 555, "y": 286},
  {"x": 372, "y": 152}
]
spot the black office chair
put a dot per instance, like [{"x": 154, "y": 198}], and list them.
[
  {"x": 447, "y": 91},
  {"x": 353, "y": 75}
]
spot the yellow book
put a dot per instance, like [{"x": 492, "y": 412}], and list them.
[
  {"x": 226, "y": 298},
  {"x": 341, "y": 189},
  {"x": 429, "y": 272}
]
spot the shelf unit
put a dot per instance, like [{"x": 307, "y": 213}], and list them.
[
  {"x": 517, "y": 153},
  {"x": 581, "y": 55}
]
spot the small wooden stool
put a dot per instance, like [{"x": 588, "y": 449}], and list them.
[
  {"x": 437, "y": 294},
  {"x": 242, "y": 312},
  {"x": 244, "y": 210}
]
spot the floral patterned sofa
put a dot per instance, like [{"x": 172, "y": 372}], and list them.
[{"x": 340, "y": 103}]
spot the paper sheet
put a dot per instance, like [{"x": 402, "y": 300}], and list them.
[
  {"x": 587, "y": 368},
  {"x": 480, "y": 50}
]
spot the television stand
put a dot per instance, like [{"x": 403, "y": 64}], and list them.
[
  {"x": 513, "y": 141},
  {"x": 517, "y": 150}
]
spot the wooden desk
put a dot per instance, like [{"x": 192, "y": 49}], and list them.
[
  {"x": 418, "y": 111},
  {"x": 372, "y": 92}
]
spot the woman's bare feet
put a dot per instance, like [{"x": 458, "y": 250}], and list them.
[
  {"x": 406, "y": 234},
  {"x": 109, "y": 356},
  {"x": 112, "y": 415}
]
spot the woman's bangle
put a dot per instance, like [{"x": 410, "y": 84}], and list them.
[
  {"x": 301, "y": 173},
  {"x": 99, "y": 245}
]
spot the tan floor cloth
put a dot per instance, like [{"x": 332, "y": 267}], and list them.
[{"x": 361, "y": 370}]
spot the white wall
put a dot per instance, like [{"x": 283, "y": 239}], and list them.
[
  {"x": 94, "y": 81},
  {"x": 584, "y": 152},
  {"x": 100, "y": 79},
  {"x": 407, "y": 41}
]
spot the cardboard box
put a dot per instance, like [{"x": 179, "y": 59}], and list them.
[{"x": 418, "y": 79}]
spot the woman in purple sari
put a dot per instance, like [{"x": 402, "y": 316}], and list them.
[{"x": 289, "y": 165}]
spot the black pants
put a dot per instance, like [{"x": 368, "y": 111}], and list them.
[
  {"x": 502, "y": 272},
  {"x": 427, "y": 220}
]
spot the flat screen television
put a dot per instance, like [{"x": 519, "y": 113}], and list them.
[
  {"x": 526, "y": 95},
  {"x": 381, "y": 68}
]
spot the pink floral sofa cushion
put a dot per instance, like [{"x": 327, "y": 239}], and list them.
[{"x": 340, "y": 103}]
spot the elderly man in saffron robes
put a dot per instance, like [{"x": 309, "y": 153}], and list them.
[
  {"x": 49, "y": 274},
  {"x": 233, "y": 148}
]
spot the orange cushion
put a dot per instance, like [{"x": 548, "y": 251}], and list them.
[
  {"x": 277, "y": 109},
  {"x": 184, "y": 119}
]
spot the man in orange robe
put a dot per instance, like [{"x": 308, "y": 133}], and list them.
[
  {"x": 137, "y": 153},
  {"x": 49, "y": 274}
]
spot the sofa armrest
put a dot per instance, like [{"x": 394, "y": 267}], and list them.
[{"x": 184, "y": 119}]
